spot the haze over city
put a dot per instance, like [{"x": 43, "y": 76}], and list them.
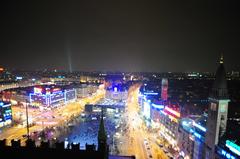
[{"x": 156, "y": 36}]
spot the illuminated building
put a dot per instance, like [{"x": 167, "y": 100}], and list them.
[
  {"x": 164, "y": 91},
  {"x": 191, "y": 137},
  {"x": 156, "y": 107},
  {"x": 169, "y": 121},
  {"x": 147, "y": 109},
  {"x": 157, "y": 115},
  {"x": 51, "y": 96},
  {"x": 5, "y": 114},
  {"x": 116, "y": 94},
  {"x": 85, "y": 90},
  {"x": 150, "y": 108},
  {"x": 207, "y": 137},
  {"x": 217, "y": 111},
  {"x": 145, "y": 101}
]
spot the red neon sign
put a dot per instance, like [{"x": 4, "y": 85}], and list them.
[
  {"x": 172, "y": 112},
  {"x": 56, "y": 89}
]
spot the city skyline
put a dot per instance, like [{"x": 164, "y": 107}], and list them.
[
  {"x": 120, "y": 36},
  {"x": 120, "y": 79}
]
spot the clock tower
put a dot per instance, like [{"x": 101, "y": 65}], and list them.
[{"x": 217, "y": 111}]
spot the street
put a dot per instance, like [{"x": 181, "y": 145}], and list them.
[{"x": 137, "y": 140}]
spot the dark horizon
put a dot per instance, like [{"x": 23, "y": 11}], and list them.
[{"x": 123, "y": 36}]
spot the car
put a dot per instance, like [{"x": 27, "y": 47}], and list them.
[
  {"x": 160, "y": 145},
  {"x": 165, "y": 150},
  {"x": 24, "y": 135},
  {"x": 145, "y": 141},
  {"x": 150, "y": 156},
  {"x": 148, "y": 148},
  {"x": 94, "y": 118}
]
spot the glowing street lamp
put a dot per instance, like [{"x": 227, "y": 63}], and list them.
[{"x": 27, "y": 119}]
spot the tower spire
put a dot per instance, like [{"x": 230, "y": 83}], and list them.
[
  {"x": 102, "y": 137},
  {"x": 221, "y": 59},
  {"x": 217, "y": 111},
  {"x": 219, "y": 88}
]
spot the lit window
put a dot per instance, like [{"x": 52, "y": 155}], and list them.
[{"x": 213, "y": 106}]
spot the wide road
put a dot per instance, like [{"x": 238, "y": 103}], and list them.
[{"x": 133, "y": 138}]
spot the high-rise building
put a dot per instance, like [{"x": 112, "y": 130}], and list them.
[
  {"x": 217, "y": 111},
  {"x": 5, "y": 113},
  {"x": 164, "y": 92}
]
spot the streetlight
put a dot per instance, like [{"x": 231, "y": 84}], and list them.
[
  {"x": 113, "y": 145},
  {"x": 27, "y": 119}
]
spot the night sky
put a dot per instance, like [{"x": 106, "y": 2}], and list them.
[{"x": 181, "y": 35}]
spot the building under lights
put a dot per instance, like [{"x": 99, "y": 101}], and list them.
[
  {"x": 217, "y": 121},
  {"x": 5, "y": 114},
  {"x": 191, "y": 137},
  {"x": 150, "y": 107},
  {"x": 169, "y": 121},
  {"x": 164, "y": 90},
  {"x": 209, "y": 136},
  {"x": 50, "y": 96},
  {"x": 159, "y": 115}
]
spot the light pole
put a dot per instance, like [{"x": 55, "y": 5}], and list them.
[
  {"x": 113, "y": 144},
  {"x": 27, "y": 120}
]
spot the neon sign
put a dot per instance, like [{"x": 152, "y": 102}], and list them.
[
  {"x": 19, "y": 78},
  {"x": 56, "y": 89},
  {"x": 177, "y": 114},
  {"x": 4, "y": 105},
  {"x": 227, "y": 155},
  {"x": 199, "y": 127},
  {"x": 233, "y": 147},
  {"x": 197, "y": 135},
  {"x": 150, "y": 93},
  {"x": 37, "y": 90},
  {"x": 49, "y": 98},
  {"x": 158, "y": 106}
]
